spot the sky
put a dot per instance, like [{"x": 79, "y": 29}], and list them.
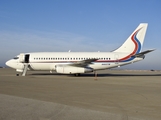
[{"x": 78, "y": 25}]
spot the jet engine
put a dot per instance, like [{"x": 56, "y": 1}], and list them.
[{"x": 72, "y": 69}]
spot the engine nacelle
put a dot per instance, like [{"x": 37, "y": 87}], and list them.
[{"x": 72, "y": 70}]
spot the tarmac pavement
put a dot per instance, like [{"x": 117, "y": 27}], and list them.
[{"x": 115, "y": 95}]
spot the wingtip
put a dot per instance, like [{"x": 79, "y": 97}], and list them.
[{"x": 152, "y": 50}]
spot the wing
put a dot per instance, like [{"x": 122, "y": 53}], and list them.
[{"x": 83, "y": 63}]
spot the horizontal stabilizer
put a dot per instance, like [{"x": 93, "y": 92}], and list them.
[{"x": 142, "y": 53}]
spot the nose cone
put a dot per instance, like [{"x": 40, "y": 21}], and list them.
[{"x": 9, "y": 63}]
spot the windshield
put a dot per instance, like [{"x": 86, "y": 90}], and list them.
[{"x": 16, "y": 58}]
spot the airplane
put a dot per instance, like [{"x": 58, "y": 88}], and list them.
[{"x": 83, "y": 62}]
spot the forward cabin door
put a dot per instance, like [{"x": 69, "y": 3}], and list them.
[
  {"x": 24, "y": 58},
  {"x": 27, "y": 57}
]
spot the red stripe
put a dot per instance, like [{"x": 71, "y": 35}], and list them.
[{"x": 136, "y": 46}]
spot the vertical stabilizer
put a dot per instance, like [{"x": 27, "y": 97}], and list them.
[{"x": 135, "y": 41}]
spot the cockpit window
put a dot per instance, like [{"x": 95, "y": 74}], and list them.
[{"x": 16, "y": 58}]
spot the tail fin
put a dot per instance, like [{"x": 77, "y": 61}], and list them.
[{"x": 135, "y": 41}]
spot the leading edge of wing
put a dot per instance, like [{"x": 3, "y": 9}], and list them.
[{"x": 83, "y": 63}]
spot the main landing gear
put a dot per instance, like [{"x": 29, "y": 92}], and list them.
[{"x": 77, "y": 74}]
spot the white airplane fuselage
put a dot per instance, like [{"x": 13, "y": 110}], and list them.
[{"x": 49, "y": 60}]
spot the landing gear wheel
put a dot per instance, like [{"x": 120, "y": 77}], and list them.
[{"x": 77, "y": 74}]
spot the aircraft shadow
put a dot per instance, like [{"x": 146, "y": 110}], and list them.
[
  {"x": 118, "y": 75},
  {"x": 92, "y": 75}
]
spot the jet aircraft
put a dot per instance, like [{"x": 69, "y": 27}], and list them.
[{"x": 83, "y": 62}]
